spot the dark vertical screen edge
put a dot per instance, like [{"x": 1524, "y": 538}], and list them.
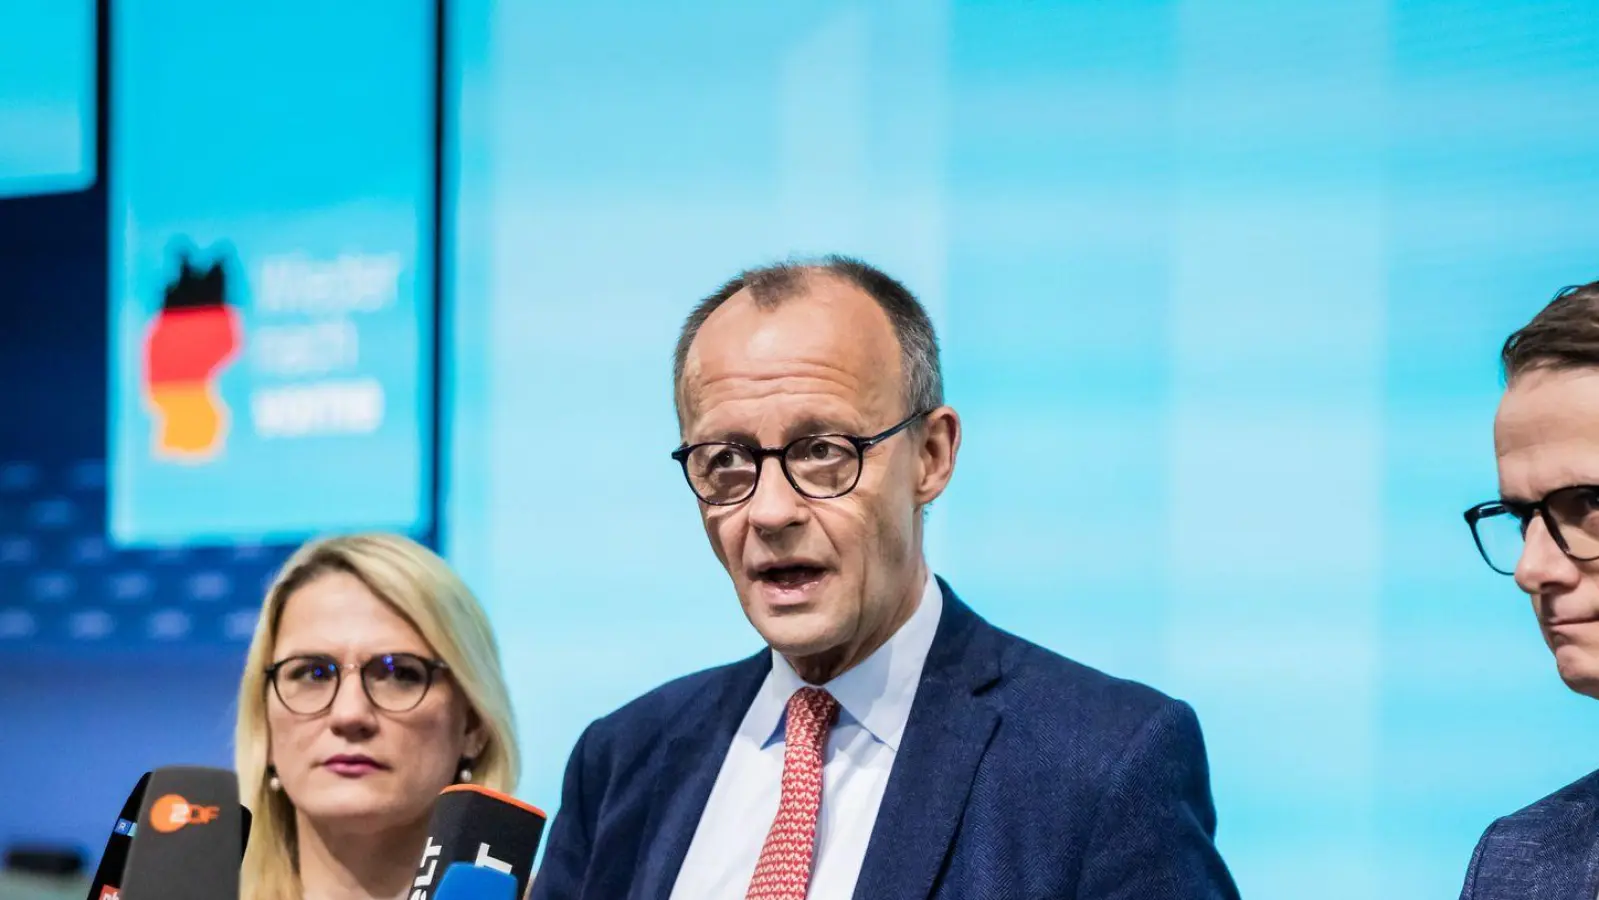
[{"x": 438, "y": 458}]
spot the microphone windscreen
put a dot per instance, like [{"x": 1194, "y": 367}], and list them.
[
  {"x": 114, "y": 859},
  {"x": 186, "y": 844},
  {"x": 478, "y": 827},
  {"x": 464, "y": 882}
]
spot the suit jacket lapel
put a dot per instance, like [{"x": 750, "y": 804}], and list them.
[
  {"x": 949, "y": 729},
  {"x": 686, "y": 771}
]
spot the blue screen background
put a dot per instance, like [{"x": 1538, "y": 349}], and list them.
[
  {"x": 1220, "y": 286},
  {"x": 47, "y": 96}
]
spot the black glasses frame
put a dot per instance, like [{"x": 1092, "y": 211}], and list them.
[
  {"x": 1523, "y": 513},
  {"x": 761, "y": 454},
  {"x": 431, "y": 666}
]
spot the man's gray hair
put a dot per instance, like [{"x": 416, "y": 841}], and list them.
[{"x": 770, "y": 285}]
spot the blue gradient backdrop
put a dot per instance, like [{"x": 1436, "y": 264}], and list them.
[{"x": 1220, "y": 286}]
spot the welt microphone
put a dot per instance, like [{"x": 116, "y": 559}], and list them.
[
  {"x": 471, "y": 827},
  {"x": 181, "y": 836}
]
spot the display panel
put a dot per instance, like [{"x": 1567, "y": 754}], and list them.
[{"x": 272, "y": 194}]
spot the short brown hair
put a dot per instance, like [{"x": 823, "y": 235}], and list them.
[
  {"x": 1563, "y": 335},
  {"x": 772, "y": 284}
]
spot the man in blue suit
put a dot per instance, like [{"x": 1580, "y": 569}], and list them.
[
  {"x": 888, "y": 743},
  {"x": 1544, "y": 531}
]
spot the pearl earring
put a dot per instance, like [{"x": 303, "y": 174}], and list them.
[
  {"x": 273, "y": 784},
  {"x": 465, "y": 775}
]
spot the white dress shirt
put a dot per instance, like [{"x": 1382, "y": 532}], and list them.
[{"x": 875, "y": 702}]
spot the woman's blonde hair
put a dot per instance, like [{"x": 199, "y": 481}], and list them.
[{"x": 421, "y": 587}]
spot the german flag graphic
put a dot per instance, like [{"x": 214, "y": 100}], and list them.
[{"x": 191, "y": 339}]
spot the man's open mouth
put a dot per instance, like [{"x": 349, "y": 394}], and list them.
[{"x": 791, "y": 576}]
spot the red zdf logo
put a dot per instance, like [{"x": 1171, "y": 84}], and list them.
[{"x": 172, "y": 812}]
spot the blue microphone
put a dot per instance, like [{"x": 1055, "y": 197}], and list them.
[{"x": 464, "y": 881}]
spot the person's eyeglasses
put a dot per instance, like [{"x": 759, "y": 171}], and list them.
[
  {"x": 1571, "y": 514},
  {"x": 819, "y": 466},
  {"x": 394, "y": 682}
]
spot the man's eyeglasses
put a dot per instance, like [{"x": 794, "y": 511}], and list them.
[
  {"x": 819, "y": 466},
  {"x": 1571, "y": 514},
  {"x": 394, "y": 682}
]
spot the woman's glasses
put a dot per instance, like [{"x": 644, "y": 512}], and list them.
[{"x": 394, "y": 682}]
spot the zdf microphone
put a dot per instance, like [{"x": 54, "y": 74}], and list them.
[{"x": 188, "y": 839}]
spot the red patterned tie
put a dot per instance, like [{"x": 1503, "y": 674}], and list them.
[{"x": 784, "y": 871}]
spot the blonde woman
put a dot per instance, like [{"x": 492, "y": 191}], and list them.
[{"x": 372, "y": 683}]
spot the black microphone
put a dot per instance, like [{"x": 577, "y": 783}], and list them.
[
  {"x": 464, "y": 882},
  {"x": 188, "y": 837},
  {"x": 108, "y": 877},
  {"x": 473, "y": 826}
]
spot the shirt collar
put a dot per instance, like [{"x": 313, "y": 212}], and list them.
[{"x": 876, "y": 694}]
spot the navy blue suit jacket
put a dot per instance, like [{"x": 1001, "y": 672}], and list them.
[
  {"x": 1548, "y": 851},
  {"x": 1021, "y": 775}
]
